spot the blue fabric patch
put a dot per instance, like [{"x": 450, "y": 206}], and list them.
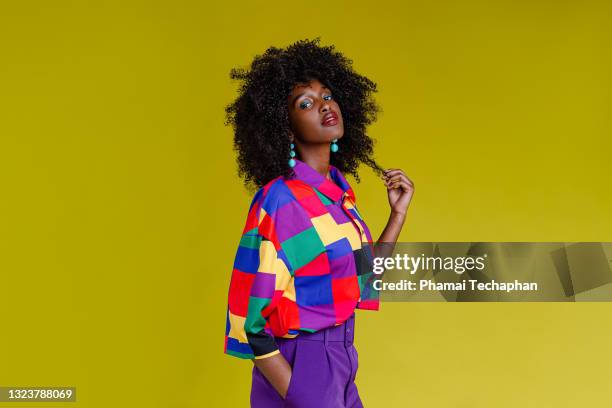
[
  {"x": 247, "y": 260},
  {"x": 338, "y": 248},
  {"x": 314, "y": 290}
]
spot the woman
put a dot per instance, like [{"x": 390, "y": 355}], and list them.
[{"x": 301, "y": 268}]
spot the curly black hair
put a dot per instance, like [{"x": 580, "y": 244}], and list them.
[{"x": 260, "y": 118}]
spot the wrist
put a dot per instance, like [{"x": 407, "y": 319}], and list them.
[{"x": 397, "y": 216}]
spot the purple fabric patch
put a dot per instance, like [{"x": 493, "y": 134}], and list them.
[
  {"x": 263, "y": 285},
  {"x": 317, "y": 317},
  {"x": 337, "y": 214},
  {"x": 307, "y": 174},
  {"x": 343, "y": 267},
  {"x": 310, "y": 176},
  {"x": 367, "y": 232},
  {"x": 290, "y": 219}
]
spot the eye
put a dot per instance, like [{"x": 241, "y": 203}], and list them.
[
  {"x": 328, "y": 97},
  {"x": 306, "y": 103}
]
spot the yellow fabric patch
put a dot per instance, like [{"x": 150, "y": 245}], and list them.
[
  {"x": 237, "y": 328},
  {"x": 289, "y": 292},
  {"x": 268, "y": 261},
  {"x": 282, "y": 275},
  {"x": 327, "y": 228},
  {"x": 354, "y": 236},
  {"x": 330, "y": 232}
]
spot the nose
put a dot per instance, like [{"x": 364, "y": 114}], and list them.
[{"x": 325, "y": 106}]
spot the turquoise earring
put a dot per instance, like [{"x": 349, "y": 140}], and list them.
[
  {"x": 334, "y": 146},
  {"x": 292, "y": 155}
]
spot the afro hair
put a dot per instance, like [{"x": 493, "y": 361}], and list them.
[{"x": 260, "y": 118}]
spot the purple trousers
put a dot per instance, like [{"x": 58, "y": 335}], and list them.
[{"x": 324, "y": 365}]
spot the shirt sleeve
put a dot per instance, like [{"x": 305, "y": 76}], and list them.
[{"x": 258, "y": 277}]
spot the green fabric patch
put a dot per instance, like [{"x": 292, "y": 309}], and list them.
[
  {"x": 255, "y": 322},
  {"x": 250, "y": 241},
  {"x": 303, "y": 247}
]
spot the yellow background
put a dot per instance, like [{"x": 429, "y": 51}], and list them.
[{"x": 121, "y": 209}]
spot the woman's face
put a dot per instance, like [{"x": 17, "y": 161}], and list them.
[{"x": 314, "y": 115}]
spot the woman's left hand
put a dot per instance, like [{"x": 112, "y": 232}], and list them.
[{"x": 399, "y": 190}]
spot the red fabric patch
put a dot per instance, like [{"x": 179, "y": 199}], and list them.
[
  {"x": 331, "y": 190},
  {"x": 345, "y": 289},
  {"x": 369, "y": 305},
  {"x": 344, "y": 310},
  {"x": 285, "y": 317},
  {"x": 267, "y": 230},
  {"x": 275, "y": 300},
  {"x": 316, "y": 267},
  {"x": 351, "y": 194},
  {"x": 252, "y": 218},
  {"x": 313, "y": 206},
  {"x": 239, "y": 292},
  {"x": 299, "y": 189}
]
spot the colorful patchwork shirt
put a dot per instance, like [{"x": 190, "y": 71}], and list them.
[{"x": 303, "y": 262}]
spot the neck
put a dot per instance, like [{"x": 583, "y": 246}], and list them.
[{"x": 316, "y": 156}]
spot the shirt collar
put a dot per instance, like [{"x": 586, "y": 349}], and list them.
[{"x": 334, "y": 189}]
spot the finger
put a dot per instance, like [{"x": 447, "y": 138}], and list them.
[
  {"x": 387, "y": 171},
  {"x": 400, "y": 177},
  {"x": 394, "y": 179},
  {"x": 407, "y": 180},
  {"x": 400, "y": 185},
  {"x": 394, "y": 185},
  {"x": 406, "y": 187},
  {"x": 388, "y": 175},
  {"x": 394, "y": 173}
]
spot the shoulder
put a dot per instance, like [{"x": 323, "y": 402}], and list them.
[
  {"x": 275, "y": 194},
  {"x": 274, "y": 208}
]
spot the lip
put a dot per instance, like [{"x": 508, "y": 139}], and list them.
[{"x": 330, "y": 119}]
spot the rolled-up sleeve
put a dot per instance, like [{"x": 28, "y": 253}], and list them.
[{"x": 254, "y": 287}]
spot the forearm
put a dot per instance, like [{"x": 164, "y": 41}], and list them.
[
  {"x": 277, "y": 371},
  {"x": 386, "y": 243}
]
